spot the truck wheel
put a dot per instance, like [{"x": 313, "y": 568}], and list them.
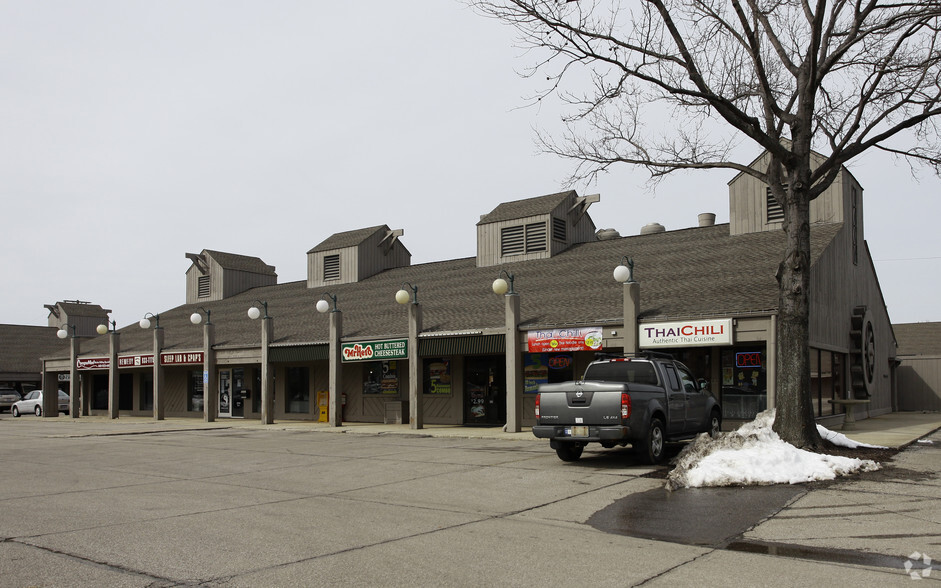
[
  {"x": 569, "y": 452},
  {"x": 652, "y": 448}
]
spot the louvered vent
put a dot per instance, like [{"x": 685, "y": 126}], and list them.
[
  {"x": 775, "y": 211},
  {"x": 558, "y": 229},
  {"x": 535, "y": 237},
  {"x": 204, "y": 287},
  {"x": 331, "y": 267},
  {"x": 512, "y": 240}
]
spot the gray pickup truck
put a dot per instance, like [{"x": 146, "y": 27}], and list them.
[{"x": 643, "y": 400}]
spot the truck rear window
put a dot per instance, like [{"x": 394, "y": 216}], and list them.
[{"x": 631, "y": 372}]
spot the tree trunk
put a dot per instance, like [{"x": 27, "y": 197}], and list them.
[{"x": 794, "y": 412}]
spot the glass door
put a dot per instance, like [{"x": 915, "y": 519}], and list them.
[
  {"x": 225, "y": 394},
  {"x": 485, "y": 391}
]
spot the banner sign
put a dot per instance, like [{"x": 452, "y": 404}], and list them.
[
  {"x": 135, "y": 360},
  {"x": 375, "y": 350},
  {"x": 686, "y": 333},
  {"x": 575, "y": 339},
  {"x": 92, "y": 363},
  {"x": 181, "y": 358}
]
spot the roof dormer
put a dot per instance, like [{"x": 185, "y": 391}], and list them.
[
  {"x": 353, "y": 256},
  {"x": 215, "y": 275},
  {"x": 534, "y": 228}
]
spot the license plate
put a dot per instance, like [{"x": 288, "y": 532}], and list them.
[{"x": 579, "y": 431}]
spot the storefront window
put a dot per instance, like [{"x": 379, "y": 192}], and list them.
[
  {"x": 381, "y": 377},
  {"x": 126, "y": 392},
  {"x": 297, "y": 389},
  {"x": 546, "y": 368},
  {"x": 744, "y": 382},
  {"x": 99, "y": 395},
  {"x": 826, "y": 377},
  {"x": 436, "y": 376},
  {"x": 194, "y": 392},
  {"x": 146, "y": 400}
]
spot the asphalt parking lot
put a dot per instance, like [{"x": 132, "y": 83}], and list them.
[{"x": 108, "y": 503}]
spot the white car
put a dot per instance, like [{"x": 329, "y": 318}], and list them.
[{"x": 32, "y": 403}]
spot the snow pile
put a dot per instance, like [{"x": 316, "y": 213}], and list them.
[
  {"x": 842, "y": 440},
  {"x": 754, "y": 454}
]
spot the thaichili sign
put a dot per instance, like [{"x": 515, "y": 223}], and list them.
[
  {"x": 574, "y": 339},
  {"x": 686, "y": 333},
  {"x": 375, "y": 350}
]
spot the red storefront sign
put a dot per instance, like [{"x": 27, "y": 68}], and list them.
[
  {"x": 92, "y": 363},
  {"x": 551, "y": 340},
  {"x": 180, "y": 358}
]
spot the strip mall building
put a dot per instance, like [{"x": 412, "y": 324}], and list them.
[{"x": 434, "y": 344}]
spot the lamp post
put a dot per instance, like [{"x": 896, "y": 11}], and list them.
[
  {"x": 50, "y": 398},
  {"x": 158, "y": 365},
  {"x": 624, "y": 273},
  {"x": 113, "y": 379},
  {"x": 416, "y": 412},
  {"x": 335, "y": 416},
  {"x": 267, "y": 334},
  {"x": 514, "y": 373},
  {"x": 209, "y": 363}
]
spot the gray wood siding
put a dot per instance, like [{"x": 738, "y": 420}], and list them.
[
  {"x": 919, "y": 383},
  {"x": 748, "y": 202},
  {"x": 223, "y": 282},
  {"x": 358, "y": 262}
]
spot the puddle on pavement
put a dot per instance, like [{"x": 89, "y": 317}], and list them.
[
  {"x": 845, "y": 556},
  {"x": 694, "y": 516}
]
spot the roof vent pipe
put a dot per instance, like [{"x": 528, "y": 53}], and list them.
[
  {"x": 707, "y": 219},
  {"x": 651, "y": 228}
]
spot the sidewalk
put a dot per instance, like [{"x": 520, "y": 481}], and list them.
[{"x": 894, "y": 430}]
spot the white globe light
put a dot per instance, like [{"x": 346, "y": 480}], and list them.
[
  {"x": 402, "y": 297},
  {"x": 144, "y": 323},
  {"x": 102, "y": 329},
  {"x": 323, "y": 305},
  {"x": 62, "y": 333},
  {"x": 196, "y": 318},
  {"x": 254, "y": 313},
  {"x": 622, "y": 273},
  {"x": 500, "y": 286}
]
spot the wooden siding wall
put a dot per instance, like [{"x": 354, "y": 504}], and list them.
[
  {"x": 837, "y": 287},
  {"x": 748, "y": 202},
  {"x": 919, "y": 383}
]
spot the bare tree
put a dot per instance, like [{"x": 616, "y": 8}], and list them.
[{"x": 836, "y": 76}]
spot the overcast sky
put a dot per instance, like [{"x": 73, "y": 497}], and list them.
[{"x": 134, "y": 132}]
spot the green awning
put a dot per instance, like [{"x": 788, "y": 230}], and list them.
[
  {"x": 299, "y": 353},
  {"x": 464, "y": 345}
]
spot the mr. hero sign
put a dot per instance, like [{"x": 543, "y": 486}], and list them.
[{"x": 686, "y": 333}]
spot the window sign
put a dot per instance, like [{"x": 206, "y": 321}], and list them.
[
  {"x": 437, "y": 376},
  {"x": 381, "y": 377},
  {"x": 535, "y": 371}
]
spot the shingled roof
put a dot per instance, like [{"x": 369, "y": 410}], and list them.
[
  {"x": 689, "y": 273},
  {"x": 21, "y": 346},
  {"x": 347, "y": 238},
  {"x": 918, "y": 338},
  {"x": 525, "y": 208},
  {"x": 245, "y": 263}
]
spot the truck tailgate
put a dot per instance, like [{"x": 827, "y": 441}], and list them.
[{"x": 577, "y": 403}]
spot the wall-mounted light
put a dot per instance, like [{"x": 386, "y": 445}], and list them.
[
  {"x": 254, "y": 313},
  {"x": 197, "y": 316},
  {"x": 625, "y": 273},
  {"x": 323, "y": 305},
  {"x": 403, "y": 297},
  {"x": 63, "y": 332},
  {"x": 103, "y": 329},
  {"x": 145, "y": 322},
  {"x": 501, "y": 286}
]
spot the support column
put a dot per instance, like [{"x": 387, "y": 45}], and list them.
[
  {"x": 158, "y": 375},
  {"x": 75, "y": 387},
  {"x": 631, "y": 313},
  {"x": 514, "y": 368},
  {"x": 210, "y": 377},
  {"x": 50, "y": 397},
  {"x": 113, "y": 379},
  {"x": 416, "y": 409},
  {"x": 267, "y": 383},
  {"x": 336, "y": 370}
]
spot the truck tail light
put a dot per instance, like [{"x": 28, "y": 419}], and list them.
[
  {"x": 537, "y": 405},
  {"x": 625, "y": 406}
]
